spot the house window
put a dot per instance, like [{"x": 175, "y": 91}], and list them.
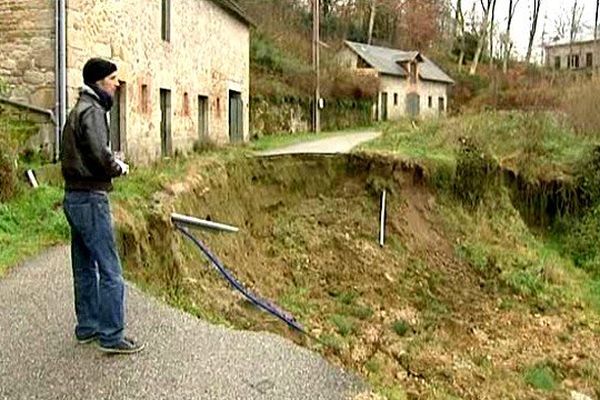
[
  {"x": 589, "y": 60},
  {"x": 413, "y": 72},
  {"x": 573, "y": 61},
  {"x": 557, "y": 62},
  {"x": 442, "y": 104},
  {"x": 395, "y": 99},
  {"x": 145, "y": 100},
  {"x": 117, "y": 119},
  {"x": 165, "y": 123},
  {"x": 166, "y": 21},
  {"x": 186, "y": 104},
  {"x": 430, "y": 101},
  {"x": 202, "y": 116}
]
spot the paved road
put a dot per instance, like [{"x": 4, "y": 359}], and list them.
[
  {"x": 336, "y": 144},
  {"x": 185, "y": 358}
]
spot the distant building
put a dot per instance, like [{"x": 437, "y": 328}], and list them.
[
  {"x": 184, "y": 66},
  {"x": 411, "y": 84},
  {"x": 583, "y": 54}
]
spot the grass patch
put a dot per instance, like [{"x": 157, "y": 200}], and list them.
[
  {"x": 343, "y": 324},
  {"x": 401, "y": 327},
  {"x": 541, "y": 377},
  {"x": 29, "y": 223}
]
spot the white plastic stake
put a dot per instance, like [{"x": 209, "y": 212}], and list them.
[
  {"x": 382, "y": 220},
  {"x": 32, "y": 180}
]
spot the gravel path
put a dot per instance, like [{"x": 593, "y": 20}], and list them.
[
  {"x": 336, "y": 144},
  {"x": 185, "y": 357}
]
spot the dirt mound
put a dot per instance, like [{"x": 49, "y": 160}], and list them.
[{"x": 414, "y": 318}]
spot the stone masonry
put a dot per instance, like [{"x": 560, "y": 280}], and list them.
[
  {"x": 27, "y": 51},
  {"x": 207, "y": 55}
]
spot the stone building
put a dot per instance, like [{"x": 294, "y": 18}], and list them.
[
  {"x": 577, "y": 55},
  {"x": 411, "y": 84},
  {"x": 184, "y": 66}
]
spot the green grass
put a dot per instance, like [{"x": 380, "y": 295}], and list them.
[
  {"x": 537, "y": 144},
  {"x": 541, "y": 377},
  {"x": 29, "y": 223},
  {"x": 401, "y": 327}
]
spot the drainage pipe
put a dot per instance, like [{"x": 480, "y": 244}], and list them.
[{"x": 60, "y": 73}]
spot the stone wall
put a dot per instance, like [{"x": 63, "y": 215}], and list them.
[
  {"x": 207, "y": 55},
  {"x": 27, "y": 50}
]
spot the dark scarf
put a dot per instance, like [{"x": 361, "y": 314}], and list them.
[{"x": 106, "y": 100}]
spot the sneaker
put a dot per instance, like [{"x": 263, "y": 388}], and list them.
[
  {"x": 87, "y": 339},
  {"x": 125, "y": 346}
]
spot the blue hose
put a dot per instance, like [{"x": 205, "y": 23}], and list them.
[{"x": 254, "y": 299}]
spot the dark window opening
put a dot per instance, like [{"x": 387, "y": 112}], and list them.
[
  {"x": 589, "y": 60},
  {"x": 573, "y": 61},
  {"x": 202, "y": 116},
  {"x": 430, "y": 101},
  {"x": 165, "y": 123},
  {"x": 395, "y": 99},
  {"x": 117, "y": 119},
  {"x": 442, "y": 104},
  {"x": 557, "y": 62},
  {"x": 186, "y": 104},
  {"x": 166, "y": 21},
  {"x": 145, "y": 99}
]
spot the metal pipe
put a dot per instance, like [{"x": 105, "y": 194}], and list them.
[
  {"x": 60, "y": 73},
  {"x": 382, "y": 220},
  {"x": 202, "y": 223},
  {"x": 30, "y": 107}
]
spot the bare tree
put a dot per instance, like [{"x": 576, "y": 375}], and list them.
[
  {"x": 532, "y": 30},
  {"x": 575, "y": 29},
  {"x": 372, "y": 20},
  {"x": 487, "y": 6},
  {"x": 596, "y": 20},
  {"x": 507, "y": 42},
  {"x": 460, "y": 33},
  {"x": 492, "y": 20}
]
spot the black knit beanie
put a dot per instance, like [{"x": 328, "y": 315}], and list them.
[{"x": 96, "y": 69}]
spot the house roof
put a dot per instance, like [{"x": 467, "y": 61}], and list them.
[
  {"x": 567, "y": 42},
  {"x": 232, "y": 7},
  {"x": 387, "y": 61}
]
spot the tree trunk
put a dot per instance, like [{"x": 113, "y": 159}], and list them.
[
  {"x": 482, "y": 37},
  {"x": 596, "y": 20},
  {"x": 533, "y": 29},
  {"x": 372, "y": 20},
  {"x": 512, "y": 7},
  {"x": 492, "y": 34}
]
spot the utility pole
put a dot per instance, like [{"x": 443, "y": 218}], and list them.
[{"x": 316, "y": 66}]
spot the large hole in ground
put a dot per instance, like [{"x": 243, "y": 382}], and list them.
[{"x": 412, "y": 314}]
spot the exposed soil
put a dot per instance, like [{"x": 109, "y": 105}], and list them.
[{"x": 410, "y": 315}]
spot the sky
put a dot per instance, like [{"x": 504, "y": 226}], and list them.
[{"x": 550, "y": 11}]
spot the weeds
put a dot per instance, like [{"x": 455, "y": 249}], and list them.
[{"x": 541, "y": 377}]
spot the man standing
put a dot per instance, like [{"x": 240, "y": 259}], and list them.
[{"x": 88, "y": 167}]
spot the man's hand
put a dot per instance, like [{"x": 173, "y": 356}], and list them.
[{"x": 124, "y": 167}]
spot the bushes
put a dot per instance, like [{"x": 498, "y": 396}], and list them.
[{"x": 8, "y": 175}]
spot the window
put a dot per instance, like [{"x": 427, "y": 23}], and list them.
[
  {"x": 395, "y": 99},
  {"x": 186, "y": 104},
  {"x": 145, "y": 100},
  {"x": 442, "y": 104},
  {"x": 413, "y": 72},
  {"x": 117, "y": 120},
  {"x": 573, "y": 61},
  {"x": 430, "y": 101},
  {"x": 589, "y": 60},
  {"x": 202, "y": 116},
  {"x": 166, "y": 21},
  {"x": 165, "y": 122},
  {"x": 557, "y": 62}
]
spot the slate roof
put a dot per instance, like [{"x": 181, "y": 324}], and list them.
[
  {"x": 235, "y": 9},
  {"x": 386, "y": 61}
]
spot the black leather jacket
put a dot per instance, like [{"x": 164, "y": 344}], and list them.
[{"x": 86, "y": 159}]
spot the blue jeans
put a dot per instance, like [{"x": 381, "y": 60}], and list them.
[{"x": 97, "y": 275}]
